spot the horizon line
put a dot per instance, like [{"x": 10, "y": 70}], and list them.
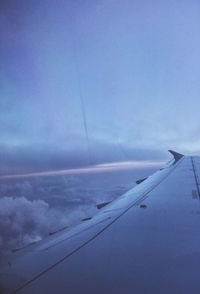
[{"x": 104, "y": 167}]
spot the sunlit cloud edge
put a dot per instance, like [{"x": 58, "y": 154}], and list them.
[{"x": 105, "y": 167}]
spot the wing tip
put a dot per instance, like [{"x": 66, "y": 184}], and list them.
[{"x": 177, "y": 156}]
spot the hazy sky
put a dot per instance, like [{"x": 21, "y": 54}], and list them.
[{"x": 135, "y": 64}]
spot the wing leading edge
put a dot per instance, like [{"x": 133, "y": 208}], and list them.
[{"x": 124, "y": 248}]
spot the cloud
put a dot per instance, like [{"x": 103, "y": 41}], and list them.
[
  {"x": 100, "y": 168},
  {"x": 27, "y": 216},
  {"x": 23, "y": 159},
  {"x": 31, "y": 209},
  {"x": 23, "y": 221}
]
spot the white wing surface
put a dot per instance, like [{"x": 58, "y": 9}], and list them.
[{"x": 147, "y": 241}]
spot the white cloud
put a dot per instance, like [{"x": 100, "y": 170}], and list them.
[
  {"x": 32, "y": 208},
  {"x": 23, "y": 221}
]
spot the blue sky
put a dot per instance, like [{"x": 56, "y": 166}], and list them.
[{"x": 136, "y": 65}]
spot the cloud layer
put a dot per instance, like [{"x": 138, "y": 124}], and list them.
[
  {"x": 23, "y": 221},
  {"x": 33, "y": 208}
]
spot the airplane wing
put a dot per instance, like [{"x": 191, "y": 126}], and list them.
[{"x": 147, "y": 241}]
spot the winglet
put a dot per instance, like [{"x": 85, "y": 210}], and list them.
[{"x": 177, "y": 156}]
